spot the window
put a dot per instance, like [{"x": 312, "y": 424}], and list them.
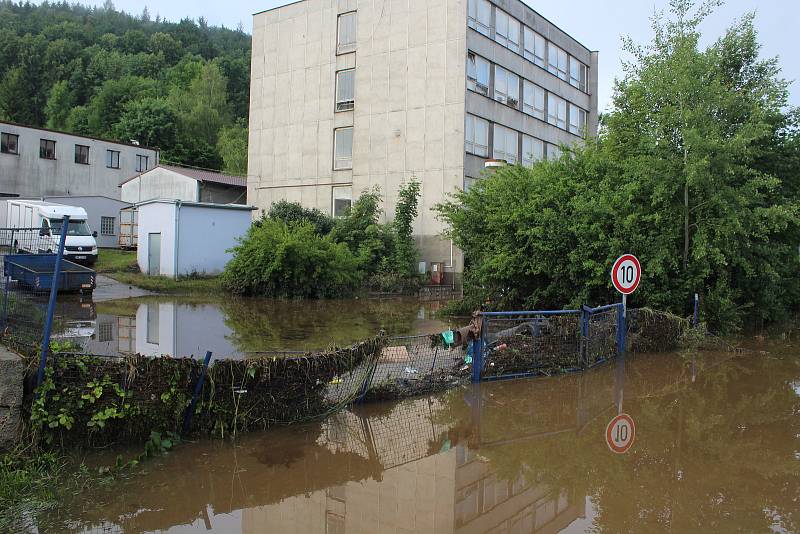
[
  {"x": 82, "y": 154},
  {"x": 343, "y": 148},
  {"x": 577, "y": 74},
  {"x": 477, "y": 74},
  {"x": 505, "y": 144},
  {"x": 342, "y": 200},
  {"x": 9, "y": 143},
  {"x": 345, "y": 89},
  {"x": 479, "y": 16},
  {"x": 553, "y": 151},
  {"x": 47, "y": 149},
  {"x": 107, "y": 225},
  {"x": 477, "y": 136},
  {"x": 532, "y": 150},
  {"x": 112, "y": 159},
  {"x": 577, "y": 120},
  {"x": 142, "y": 163},
  {"x": 557, "y": 62},
  {"x": 506, "y": 87},
  {"x": 534, "y": 47},
  {"x": 346, "y": 36},
  {"x": 507, "y": 30},
  {"x": 533, "y": 100},
  {"x": 556, "y": 111}
]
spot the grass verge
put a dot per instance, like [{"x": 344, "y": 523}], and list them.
[{"x": 121, "y": 266}]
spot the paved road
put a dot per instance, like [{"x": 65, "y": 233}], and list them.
[{"x": 109, "y": 289}]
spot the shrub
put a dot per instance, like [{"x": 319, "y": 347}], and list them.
[
  {"x": 293, "y": 213},
  {"x": 278, "y": 260}
]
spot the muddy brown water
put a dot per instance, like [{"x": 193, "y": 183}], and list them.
[
  {"x": 716, "y": 449},
  {"x": 236, "y": 328}
]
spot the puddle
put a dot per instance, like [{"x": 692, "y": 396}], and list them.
[
  {"x": 715, "y": 449},
  {"x": 234, "y": 328}
]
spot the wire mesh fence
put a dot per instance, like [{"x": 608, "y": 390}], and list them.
[
  {"x": 23, "y": 307},
  {"x": 602, "y": 340}
]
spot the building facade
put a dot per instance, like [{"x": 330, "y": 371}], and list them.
[
  {"x": 36, "y": 162},
  {"x": 184, "y": 183},
  {"x": 351, "y": 94}
]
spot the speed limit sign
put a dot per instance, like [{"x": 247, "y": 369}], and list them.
[
  {"x": 620, "y": 433},
  {"x": 626, "y": 273}
]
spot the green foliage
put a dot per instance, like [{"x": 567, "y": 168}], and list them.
[
  {"x": 97, "y": 71},
  {"x": 695, "y": 172},
  {"x": 278, "y": 260},
  {"x": 232, "y": 148},
  {"x": 293, "y": 213},
  {"x": 405, "y": 213}
]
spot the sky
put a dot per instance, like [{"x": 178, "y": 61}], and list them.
[{"x": 598, "y": 24}]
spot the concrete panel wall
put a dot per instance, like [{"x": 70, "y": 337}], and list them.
[
  {"x": 26, "y": 174},
  {"x": 160, "y": 183}
]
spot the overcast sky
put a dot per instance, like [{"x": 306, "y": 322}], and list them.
[{"x": 598, "y": 24}]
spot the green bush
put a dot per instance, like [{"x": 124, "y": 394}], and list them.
[
  {"x": 293, "y": 213},
  {"x": 277, "y": 260}
]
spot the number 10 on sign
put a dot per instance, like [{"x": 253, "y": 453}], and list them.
[{"x": 625, "y": 275}]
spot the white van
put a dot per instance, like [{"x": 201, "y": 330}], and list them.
[{"x": 80, "y": 245}]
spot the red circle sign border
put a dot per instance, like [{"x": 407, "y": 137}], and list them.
[
  {"x": 610, "y": 442},
  {"x": 614, "y": 280}
]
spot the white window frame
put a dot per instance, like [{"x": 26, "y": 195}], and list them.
[
  {"x": 142, "y": 158},
  {"x": 507, "y": 30},
  {"x": 104, "y": 221},
  {"x": 342, "y": 161},
  {"x": 532, "y": 150},
  {"x": 506, "y": 87},
  {"x": 577, "y": 120},
  {"x": 556, "y": 111},
  {"x": 478, "y": 74},
  {"x": 111, "y": 157},
  {"x": 533, "y": 98},
  {"x": 345, "y": 47},
  {"x": 8, "y": 137},
  {"x": 345, "y": 102},
  {"x": 577, "y": 74},
  {"x": 553, "y": 152},
  {"x": 505, "y": 140},
  {"x": 476, "y": 138},
  {"x": 341, "y": 193},
  {"x": 557, "y": 61},
  {"x": 535, "y": 47},
  {"x": 479, "y": 16}
]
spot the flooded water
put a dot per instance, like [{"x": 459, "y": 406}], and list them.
[
  {"x": 156, "y": 326},
  {"x": 716, "y": 448}
]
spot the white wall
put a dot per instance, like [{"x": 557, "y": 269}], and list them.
[
  {"x": 160, "y": 183},
  {"x": 205, "y": 236},
  {"x": 154, "y": 218},
  {"x": 27, "y": 175}
]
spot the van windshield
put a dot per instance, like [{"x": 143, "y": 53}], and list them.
[{"x": 75, "y": 228}]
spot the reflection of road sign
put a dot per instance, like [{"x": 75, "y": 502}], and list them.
[
  {"x": 620, "y": 433},
  {"x": 626, "y": 273}
]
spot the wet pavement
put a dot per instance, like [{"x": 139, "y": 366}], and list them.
[
  {"x": 109, "y": 289},
  {"x": 715, "y": 448}
]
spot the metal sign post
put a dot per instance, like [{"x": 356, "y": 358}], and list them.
[{"x": 625, "y": 276}]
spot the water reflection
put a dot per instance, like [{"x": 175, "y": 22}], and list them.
[
  {"x": 716, "y": 450},
  {"x": 234, "y": 328}
]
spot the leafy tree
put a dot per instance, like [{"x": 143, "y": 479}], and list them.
[
  {"x": 59, "y": 105},
  {"x": 690, "y": 174},
  {"x": 406, "y": 253},
  {"x": 232, "y": 147},
  {"x": 106, "y": 107},
  {"x": 292, "y": 213},
  {"x": 150, "y": 121}
]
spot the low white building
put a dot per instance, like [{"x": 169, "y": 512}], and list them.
[
  {"x": 179, "y": 238},
  {"x": 184, "y": 183}
]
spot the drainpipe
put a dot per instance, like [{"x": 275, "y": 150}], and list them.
[{"x": 177, "y": 236}]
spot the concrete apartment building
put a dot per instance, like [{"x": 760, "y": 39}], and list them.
[
  {"x": 349, "y": 94},
  {"x": 36, "y": 162}
]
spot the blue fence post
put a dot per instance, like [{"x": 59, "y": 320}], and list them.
[
  {"x": 51, "y": 305},
  {"x": 477, "y": 354},
  {"x": 8, "y": 282},
  {"x": 622, "y": 329},
  {"x": 696, "y": 316},
  {"x": 198, "y": 388},
  {"x": 586, "y": 314}
]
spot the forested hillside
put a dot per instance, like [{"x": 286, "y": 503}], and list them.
[{"x": 182, "y": 87}]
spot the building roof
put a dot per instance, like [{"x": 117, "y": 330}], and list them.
[
  {"x": 208, "y": 205},
  {"x": 201, "y": 175},
  {"x": 18, "y": 125}
]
